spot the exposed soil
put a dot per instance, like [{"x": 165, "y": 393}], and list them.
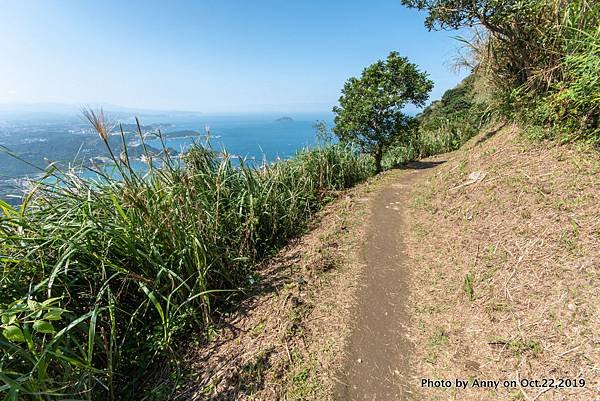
[{"x": 376, "y": 365}]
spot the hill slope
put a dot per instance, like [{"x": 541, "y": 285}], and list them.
[
  {"x": 500, "y": 249},
  {"x": 505, "y": 242}
]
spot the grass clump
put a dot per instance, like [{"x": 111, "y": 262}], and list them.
[
  {"x": 436, "y": 341},
  {"x": 468, "y": 287},
  {"x": 519, "y": 346},
  {"x": 99, "y": 276}
]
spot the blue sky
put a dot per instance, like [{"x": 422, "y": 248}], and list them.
[{"x": 209, "y": 56}]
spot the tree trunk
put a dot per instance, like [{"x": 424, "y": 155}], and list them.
[{"x": 378, "y": 156}]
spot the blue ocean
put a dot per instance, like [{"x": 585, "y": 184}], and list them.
[
  {"x": 253, "y": 136},
  {"x": 70, "y": 141}
]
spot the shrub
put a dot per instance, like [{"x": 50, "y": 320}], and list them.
[{"x": 571, "y": 109}]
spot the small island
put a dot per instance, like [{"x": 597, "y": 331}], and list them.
[{"x": 284, "y": 120}]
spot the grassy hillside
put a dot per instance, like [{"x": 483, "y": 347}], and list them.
[
  {"x": 540, "y": 57},
  {"x": 101, "y": 277},
  {"x": 445, "y": 124},
  {"x": 506, "y": 245}
]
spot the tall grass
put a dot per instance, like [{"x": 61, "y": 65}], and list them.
[
  {"x": 99, "y": 276},
  {"x": 545, "y": 67},
  {"x": 571, "y": 106}
]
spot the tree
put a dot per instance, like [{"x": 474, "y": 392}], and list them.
[
  {"x": 455, "y": 14},
  {"x": 526, "y": 37},
  {"x": 370, "y": 110}
]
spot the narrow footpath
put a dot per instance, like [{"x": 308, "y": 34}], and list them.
[{"x": 377, "y": 357}]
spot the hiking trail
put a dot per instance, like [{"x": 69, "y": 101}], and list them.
[{"x": 376, "y": 366}]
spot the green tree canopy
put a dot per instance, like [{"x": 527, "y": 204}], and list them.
[
  {"x": 454, "y": 14},
  {"x": 370, "y": 108}
]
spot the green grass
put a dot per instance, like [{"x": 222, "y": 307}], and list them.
[
  {"x": 558, "y": 88},
  {"x": 99, "y": 277},
  {"x": 519, "y": 346},
  {"x": 435, "y": 343},
  {"x": 468, "y": 287}
]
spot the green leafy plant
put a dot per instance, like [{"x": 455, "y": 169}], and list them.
[{"x": 468, "y": 287}]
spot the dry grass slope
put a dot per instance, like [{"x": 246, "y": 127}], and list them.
[{"x": 507, "y": 267}]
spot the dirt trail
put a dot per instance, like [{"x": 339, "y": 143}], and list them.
[{"x": 377, "y": 356}]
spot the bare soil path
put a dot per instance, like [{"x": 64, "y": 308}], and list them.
[{"x": 377, "y": 356}]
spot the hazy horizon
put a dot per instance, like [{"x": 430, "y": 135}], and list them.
[
  {"x": 11, "y": 112},
  {"x": 76, "y": 107}
]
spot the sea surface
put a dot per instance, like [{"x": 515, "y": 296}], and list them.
[
  {"x": 70, "y": 141},
  {"x": 249, "y": 135}
]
